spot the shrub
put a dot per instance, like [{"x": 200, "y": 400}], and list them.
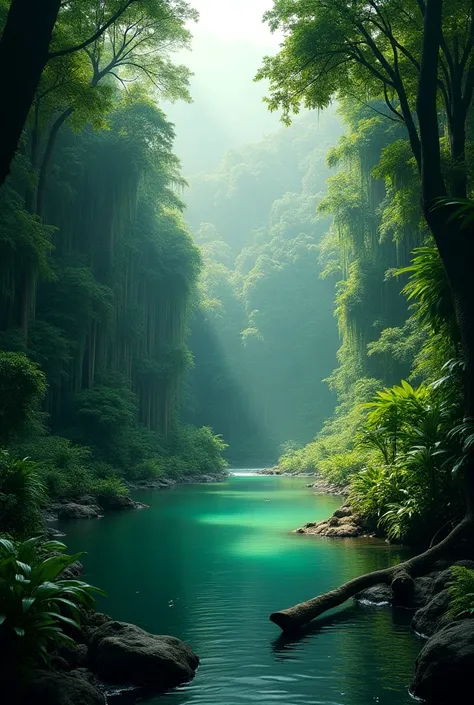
[
  {"x": 22, "y": 386},
  {"x": 341, "y": 467},
  {"x": 107, "y": 490},
  {"x": 65, "y": 468},
  {"x": 35, "y": 604},
  {"x": 461, "y": 590},
  {"x": 408, "y": 486},
  {"x": 22, "y": 494},
  {"x": 150, "y": 469},
  {"x": 195, "y": 451}
]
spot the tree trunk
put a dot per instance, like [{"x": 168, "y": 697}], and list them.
[
  {"x": 46, "y": 161},
  {"x": 34, "y": 153},
  {"x": 398, "y": 576},
  {"x": 23, "y": 55}
]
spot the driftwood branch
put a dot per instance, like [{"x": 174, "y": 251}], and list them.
[{"x": 399, "y": 577}]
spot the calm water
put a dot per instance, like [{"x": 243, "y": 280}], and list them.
[{"x": 209, "y": 563}]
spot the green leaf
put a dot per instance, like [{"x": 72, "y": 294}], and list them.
[{"x": 27, "y": 602}]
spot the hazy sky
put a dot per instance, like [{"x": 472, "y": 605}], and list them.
[
  {"x": 227, "y": 49},
  {"x": 235, "y": 20}
]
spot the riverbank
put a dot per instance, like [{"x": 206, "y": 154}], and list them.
[
  {"x": 109, "y": 658},
  {"x": 343, "y": 523},
  {"x": 443, "y": 668},
  {"x": 202, "y": 564},
  {"x": 320, "y": 485},
  {"x": 89, "y": 507}
]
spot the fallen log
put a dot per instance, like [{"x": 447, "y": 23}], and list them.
[{"x": 399, "y": 577}]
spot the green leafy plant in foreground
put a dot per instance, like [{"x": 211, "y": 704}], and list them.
[
  {"x": 35, "y": 603},
  {"x": 461, "y": 590}
]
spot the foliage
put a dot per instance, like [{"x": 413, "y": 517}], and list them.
[
  {"x": 22, "y": 386},
  {"x": 101, "y": 302},
  {"x": 68, "y": 470},
  {"x": 428, "y": 287},
  {"x": 461, "y": 590},
  {"x": 408, "y": 483},
  {"x": 263, "y": 336},
  {"x": 37, "y": 606},
  {"x": 22, "y": 495},
  {"x": 195, "y": 451}
]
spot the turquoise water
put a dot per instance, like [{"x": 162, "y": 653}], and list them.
[{"x": 209, "y": 563}]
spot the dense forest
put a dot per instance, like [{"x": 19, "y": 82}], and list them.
[
  {"x": 307, "y": 302},
  {"x": 98, "y": 270},
  {"x": 264, "y": 337}
]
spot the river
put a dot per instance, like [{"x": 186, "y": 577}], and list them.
[{"x": 209, "y": 563}]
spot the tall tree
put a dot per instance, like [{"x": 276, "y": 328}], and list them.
[
  {"x": 24, "y": 52},
  {"x": 372, "y": 48}
]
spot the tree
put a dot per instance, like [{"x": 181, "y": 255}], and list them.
[
  {"x": 372, "y": 47},
  {"x": 134, "y": 48},
  {"x": 24, "y": 52},
  {"x": 22, "y": 385}
]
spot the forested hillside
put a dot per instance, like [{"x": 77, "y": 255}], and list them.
[
  {"x": 98, "y": 270},
  {"x": 264, "y": 337},
  {"x": 395, "y": 397},
  {"x": 305, "y": 299}
]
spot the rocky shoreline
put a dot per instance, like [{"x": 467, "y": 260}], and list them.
[
  {"x": 321, "y": 486},
  {"x": 88, "y": 507},
  {"x": 443, "y": 668},
  {"x": 342, "y": 524},
  {"x": 110, "y": 658},
  {"x": 168, "y": 483}
]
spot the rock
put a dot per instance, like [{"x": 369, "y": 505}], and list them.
[
  {"x": 73, "y": 571},
  {"x": 427, "y": 620},
  {"x": 344, "y": 511},
  {"x": 443, "y": 671},
  {"x": 342, "y": 524},
  {"x": 116, "y": 502},
  {"x": 59, "y": 663},
  {"x": 91, "y": 621},
  {"x": 326, "y": 488},
  {"x": 376, "y": 595},
  {"x": 50, "y": 688},
  {"x": 77, "y": 511},
  {"x": 76, "y": 657},
  {"x": 86, "y": 499},
  {"x": 51, "y": 534},
  {"x": 124, "y": 653},
  {"x": 424, "y": 591}
]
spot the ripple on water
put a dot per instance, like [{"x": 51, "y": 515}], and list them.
[{"x": 209, "y": 564}]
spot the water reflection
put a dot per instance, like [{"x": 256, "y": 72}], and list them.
[{"x": 210, "y": 563}]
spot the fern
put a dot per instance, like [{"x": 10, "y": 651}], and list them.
[{"x": 461, "y": 590}]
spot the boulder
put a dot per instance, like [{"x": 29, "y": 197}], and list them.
[
  {"x": 117, "y": 502},
  {"x": 124, "y": 653},
  {"x": 444, "y": 667},
  {"x": 424, "y": 591},
  {"x": 51, "y": 534},
  {"x": 50, "y": 688},
  {"x": 344, "y": 511},
  {"x": 77, "y": 511},
  {"x": 86, "y": 499},
  {"x": 75, "y": 656},
  {"x": 342, "y": 524},
  {"x": 427, "y": 620},
  {"x": 376, "y": 595}
]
